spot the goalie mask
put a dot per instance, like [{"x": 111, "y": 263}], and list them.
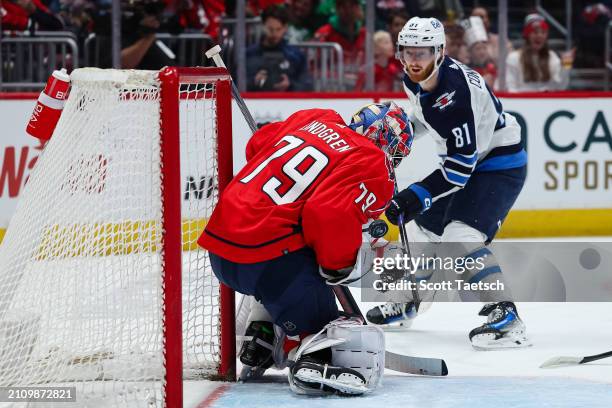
[{"x": 388, "y": 126}]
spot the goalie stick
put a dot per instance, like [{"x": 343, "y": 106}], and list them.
[
  {"x": 393, "y": 361},
  {"x": 214, "y": 53},
  {"x": 397, "y": 362},
  {"x": 562, "y": 361}
]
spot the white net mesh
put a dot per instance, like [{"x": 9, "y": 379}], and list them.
[{"x": 80, "y": 266}]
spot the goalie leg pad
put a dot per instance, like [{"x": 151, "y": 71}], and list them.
[{"x": 362, "y": 348}]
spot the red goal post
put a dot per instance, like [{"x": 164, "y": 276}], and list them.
[{"x": 171, "y": 81}]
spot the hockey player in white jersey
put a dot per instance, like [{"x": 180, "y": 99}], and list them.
[{"x": 482, "y": 171}]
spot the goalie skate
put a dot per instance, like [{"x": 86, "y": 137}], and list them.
[
  {"x": 256, "y": 351},
  {"x": 392, "y": 316}
]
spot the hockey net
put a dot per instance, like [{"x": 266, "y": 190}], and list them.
[{"x": 90, "y": 294}]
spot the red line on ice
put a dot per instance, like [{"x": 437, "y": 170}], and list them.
[{"x": 213, "y": 396}]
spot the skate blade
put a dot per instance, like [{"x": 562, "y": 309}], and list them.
[
  {"x": 395, "y": 326},
  {"x": 501, "y": 344},
  {"x": 249, "y": 373}
]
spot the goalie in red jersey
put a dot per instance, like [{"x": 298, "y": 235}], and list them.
[{"x": 289, "y": 225}]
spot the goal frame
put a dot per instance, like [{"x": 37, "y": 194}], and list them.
[{"x": 171, "y": 79}]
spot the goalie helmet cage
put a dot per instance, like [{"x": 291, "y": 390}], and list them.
[{"x": 102, "y": 284}]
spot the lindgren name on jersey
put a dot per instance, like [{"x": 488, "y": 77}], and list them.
[{"x": 328, "y": 135}]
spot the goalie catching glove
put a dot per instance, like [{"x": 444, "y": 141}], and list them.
[{"x": 365, "y": 264}]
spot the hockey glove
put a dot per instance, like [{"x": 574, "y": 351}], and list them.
[{"x": 410, "y": 202}]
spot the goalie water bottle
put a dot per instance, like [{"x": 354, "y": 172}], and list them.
[{"x": 49, "y": 106}]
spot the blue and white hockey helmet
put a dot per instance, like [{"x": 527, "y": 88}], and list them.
[
  {"x": 388, "y": 126},
  {"x": 422, "y": 32}
]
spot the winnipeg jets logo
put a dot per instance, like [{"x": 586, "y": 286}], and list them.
[{"x": 444, "y": 100}]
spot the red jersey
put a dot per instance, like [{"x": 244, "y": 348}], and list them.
[
  {"x": 309, "y": 181},
  {"x": 15, "y": 17},
  {"x": 202, "y": 14}
]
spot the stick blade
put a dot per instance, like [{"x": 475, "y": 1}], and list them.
[
  {"x": 561, "y": 361},
  {"x": 415, "y": 365}
]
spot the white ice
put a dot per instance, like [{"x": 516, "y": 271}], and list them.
[{"x": 510, "y": 378}]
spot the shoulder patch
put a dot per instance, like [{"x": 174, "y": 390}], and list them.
[{"x": 445, "y": 100}]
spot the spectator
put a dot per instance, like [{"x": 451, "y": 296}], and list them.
[
  {"x": 385, "y": 8},
  {"x": 303, "y": 20},
  {"x": 213, "y": 11},
  {"x": 388, "y": 71},
  {"x": 327, "y": 8},
  {"x": 256, "y": 7},
  {"x": 440, "y": 9},
  {"x": 492, "y": 39},
  {"x": 535, "y": 67},
  {"x": 76, "y": 17},
  {"x": 346, "y": 28},
  {"x": 397, "y": 20},
  {"x": 455, "y": 44},
  {"x": 478, "y": 48},
  {"x": 202, "y": 15},
  {"x": 20, "y": 15},
  {"x": 273, "y": 64},
  {"x": 590, "y": 32},
  {"x": 139, "y": 49}
]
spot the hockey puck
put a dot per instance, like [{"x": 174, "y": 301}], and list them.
[{"x": 378, "y": 229}]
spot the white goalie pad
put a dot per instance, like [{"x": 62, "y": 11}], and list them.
[
  {"x": 353, "y": 345},
  {"x": 362, "y": 350}
]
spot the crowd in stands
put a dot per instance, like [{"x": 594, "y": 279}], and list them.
[{"x": 276, "y": 63}]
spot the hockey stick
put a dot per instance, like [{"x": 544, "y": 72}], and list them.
[
  {"x": 393, "y": 361},
  {"x": 215, "y": 54},
  {"x": 406, "y": 248},
  {"x": 569, "y": 361}
]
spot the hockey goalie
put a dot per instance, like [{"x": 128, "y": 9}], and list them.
[{"x": 289, "y": 226}]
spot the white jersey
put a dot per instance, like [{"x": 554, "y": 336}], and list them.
[{"x": 468, "y": 124}]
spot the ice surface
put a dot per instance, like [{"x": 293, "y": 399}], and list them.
[
  {"x": 455, "y": 392},
  {"x": 510, "y": 378}
]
